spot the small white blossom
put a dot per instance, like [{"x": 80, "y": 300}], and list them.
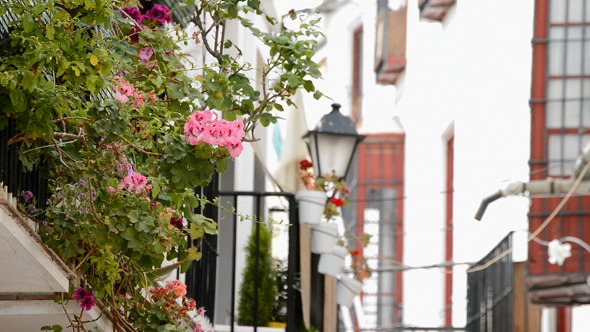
[{"x": 559, "y": 251}]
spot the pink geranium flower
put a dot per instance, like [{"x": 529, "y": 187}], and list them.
[
  {"x": 86, "y": 297},
  {"x": 158, "y": 13},
  {"x": 134, "y": 182},
  {"x": 177, "y": 287},
  {"x": 203, "y": 127},
  {"x": 121, "y": 97}
]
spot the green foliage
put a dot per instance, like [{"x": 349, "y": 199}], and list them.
[
  {"x": 62, "y": 71},
  {"x": 259, "y": 272}
]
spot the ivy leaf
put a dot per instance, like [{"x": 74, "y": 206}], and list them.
[
  {"x": 194, "y": 254},
  {"x": 196, "y": 231}
]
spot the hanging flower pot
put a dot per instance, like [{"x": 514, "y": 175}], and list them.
[
  {"x": 348, "y": 289},
  {"x": 331, "y": 263},
  {"x": 323, "y": 237},
  {"x": 311, "y": 206}
]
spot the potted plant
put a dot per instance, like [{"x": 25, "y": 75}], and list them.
[
  {"x": 314, "y": 202},
  {"x": 259, "y": 280}
]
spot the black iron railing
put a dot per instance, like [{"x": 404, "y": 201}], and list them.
[
  {"x": 207, "y": 280},
  {"x": 490, "y": 292},
  {"x": 12, "y": 174}
]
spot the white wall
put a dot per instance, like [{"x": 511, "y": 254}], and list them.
[
  {"x": 469, "y": 75},
  {"x": 472, "y": 73}
]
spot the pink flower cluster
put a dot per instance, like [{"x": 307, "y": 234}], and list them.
[
  {"x": 134, "y": 182},
  {"x": 86, "y": 297},
  {"x": 205, "y": 127},
  {"x": 166, "y": 297},
  {"x": 176, "y": 287},
  {"x": 158, "y": 15},
  {"x": 125, "y": 90}
]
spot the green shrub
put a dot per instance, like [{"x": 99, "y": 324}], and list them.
[{"x": 265, "y": 277}]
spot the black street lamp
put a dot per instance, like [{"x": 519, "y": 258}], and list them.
[{"x": 332, "y": 144}]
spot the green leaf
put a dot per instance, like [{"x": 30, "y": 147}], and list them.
[
  {"x": 317, "y": 95},
  {"x": 158, "y": 81},
  {"x": 50, "y": 30},
  {"x": 196, "y": 231},
  {"x": 17, "y": 98},
  {"x": 308, "y": 85},
  {"x": 155, "y": 189},
  {"x": 266, "y": 119},
  {"x": 28, "y": 22},
  {"x": 28, "y": 79},
  {"x": 293, "y": 81},
  {"x": 278, "y": 107},
  {"x": 133, "y": 216},
  {"x": 194, "y": 254},
  {"x": 91, "y": 83}
]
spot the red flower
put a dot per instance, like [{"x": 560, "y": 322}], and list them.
[
  {"x": 337, "y": 201},
  {"x": 177, "y": 222},
  {"x": 305, "y": 164},
  {"x": 86, "y": 297},
  {"x": 356, "y": 252}
]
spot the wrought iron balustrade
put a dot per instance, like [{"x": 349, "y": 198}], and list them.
[
  {"x": 12, "y": 174},
  {"x": 490, "y": 292},
  {"x": 213, "y": 279}
]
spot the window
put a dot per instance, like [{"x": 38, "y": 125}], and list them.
[
  {"x": 566, "y": 101},
  {"x": 390, "y": 43},
  {"x": 560, "y": 118}
]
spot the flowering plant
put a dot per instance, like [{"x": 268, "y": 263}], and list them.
[
  {"x": 359, "y": 265},
  {"x": 170, "y": 304},
  {"x": 105, "y": 99},
  {"x": 334, "y": 186},
  {"x": 559, "y": 251}
]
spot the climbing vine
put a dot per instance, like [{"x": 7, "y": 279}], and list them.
[{"x": 125, "y": 123}]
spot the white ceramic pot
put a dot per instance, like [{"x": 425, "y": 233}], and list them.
[
  {"x": 331, "y": 263},
  {"x": 323, "y": 237},
  {"x": 348, "y": 289},
  {"x": 311, "y": 206}
]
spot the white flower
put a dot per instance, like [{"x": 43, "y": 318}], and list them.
[{"x": 559, "y": 251}]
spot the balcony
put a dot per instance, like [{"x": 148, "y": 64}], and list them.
[
  {"x": 554, "y": 284},
  {"x": 496, "y": 295}
]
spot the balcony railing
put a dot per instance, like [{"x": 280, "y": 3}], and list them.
[
  {"x": 12, "y": 173},
  {"x": 490, "y": 292},
  {"x": 212, "y": 281}
]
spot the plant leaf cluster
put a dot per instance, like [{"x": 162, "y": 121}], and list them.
[{"x": 59, "y": 66}]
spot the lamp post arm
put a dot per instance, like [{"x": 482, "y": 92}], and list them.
[
  {"x": 547, "y": 186},
  {"x": 484, "y": 204}
]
